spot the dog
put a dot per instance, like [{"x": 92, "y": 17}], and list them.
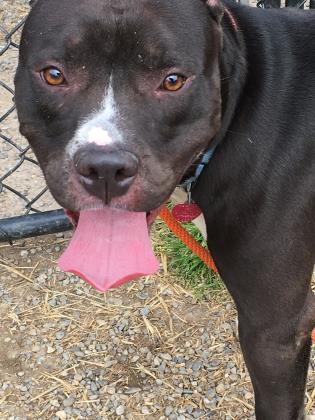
[{"x": 121, "y": 99}]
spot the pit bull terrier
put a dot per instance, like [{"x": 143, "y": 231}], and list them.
[{"x": 120, "y": 99}]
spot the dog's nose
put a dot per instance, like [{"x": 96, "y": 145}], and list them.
[{"x": 106, "y": 174}]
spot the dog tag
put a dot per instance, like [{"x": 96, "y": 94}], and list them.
[{"x": 186, "y": 212}]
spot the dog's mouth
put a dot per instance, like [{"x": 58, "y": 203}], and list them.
[
  {"x": 110, "y": 246},
  {"x": 150, "y": 216}
]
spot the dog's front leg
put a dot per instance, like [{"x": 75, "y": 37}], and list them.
[
  {"x": 276, "y": 311},
  {"x": 277, "y": 356}
]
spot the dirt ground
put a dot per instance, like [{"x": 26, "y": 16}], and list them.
[{"x": 147, "y": 350}]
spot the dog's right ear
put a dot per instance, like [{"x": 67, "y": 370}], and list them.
[{"x": 216, "y": 9}]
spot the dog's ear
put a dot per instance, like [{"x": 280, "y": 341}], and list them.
[{"x": 216, "y": 9}]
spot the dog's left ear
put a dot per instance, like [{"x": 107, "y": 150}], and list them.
[{"x": 216, "y": 9}]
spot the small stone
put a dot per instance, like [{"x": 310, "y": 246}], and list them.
[
  {"x": 120, "y": 410},
  {"x": 62, "y": 415},
  {"x": 24, "y": 253},
  {"x": 189, "y": 409},
  {"x": 166, "y": 356},
  {"x": 109, "y": 363},
  {"x": 144, "y": 311},
  {"x": 207, "y": 403},
  {"x": 220, "y": 389},
  {"x": 168, "y": 411},
  {"x": 60, "y": 335},
  {"x": 197, "y": 365},
  {"x": 210, "y": 393},
  {"x": 21, "y": 374},
  {"x": 132, "y": 390},
  {"x": 93, "y": 387},
  {"x": 198, "y": 413},
  {"x": 248, "y": 396},
  {"x": 187, "y": 391},
  {"x": 145, "y": 410},
  {"x": 50, "y": 349},
  {"x": 143, "y": 295},
  {"x": 156, "y": 361},
  {"x": 111, "y": 390},
  {"x": 68, "y": 402},
  {"x": 6, "y": 385}
]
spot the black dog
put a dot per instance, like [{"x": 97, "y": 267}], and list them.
[{"x": 120, "y": 98}]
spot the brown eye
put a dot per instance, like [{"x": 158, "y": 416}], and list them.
[
  {"x": 53, "y": 76},
  {"x": 174, "y": 82}
]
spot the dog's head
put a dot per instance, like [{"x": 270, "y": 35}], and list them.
[{"x": 118, "y": 97}]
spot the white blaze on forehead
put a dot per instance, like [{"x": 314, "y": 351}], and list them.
[
  {"x": 109, "y": 107},
  {"x": 99, "y": 127}
]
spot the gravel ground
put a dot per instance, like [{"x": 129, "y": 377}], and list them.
[{"x": 147, "y": 350}]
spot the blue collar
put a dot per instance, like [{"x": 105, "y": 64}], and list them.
[{"x": 188, "y": 183}]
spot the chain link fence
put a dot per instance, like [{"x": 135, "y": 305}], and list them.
[
  {"x": 20, "y": 150},
  {"x": 26, "y": 207}
]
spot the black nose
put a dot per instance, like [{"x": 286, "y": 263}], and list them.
[{"x": 106, "y": 174}]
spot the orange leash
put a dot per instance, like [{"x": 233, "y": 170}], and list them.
[
  {"x": 187, "y": 238},
  {"x": 192, "y": 244}
]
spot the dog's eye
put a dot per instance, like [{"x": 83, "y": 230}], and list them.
[
  {"x": 53, "y": 76},
  {"x": 173, "y": 82}
]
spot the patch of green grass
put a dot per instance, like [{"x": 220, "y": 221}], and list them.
[{"x": 185, "y": 265}]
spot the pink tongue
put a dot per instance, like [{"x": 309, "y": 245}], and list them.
[{"x": 110, "y": 247}]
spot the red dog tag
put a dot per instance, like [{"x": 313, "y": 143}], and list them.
[{"x": 186, "y": 212}]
